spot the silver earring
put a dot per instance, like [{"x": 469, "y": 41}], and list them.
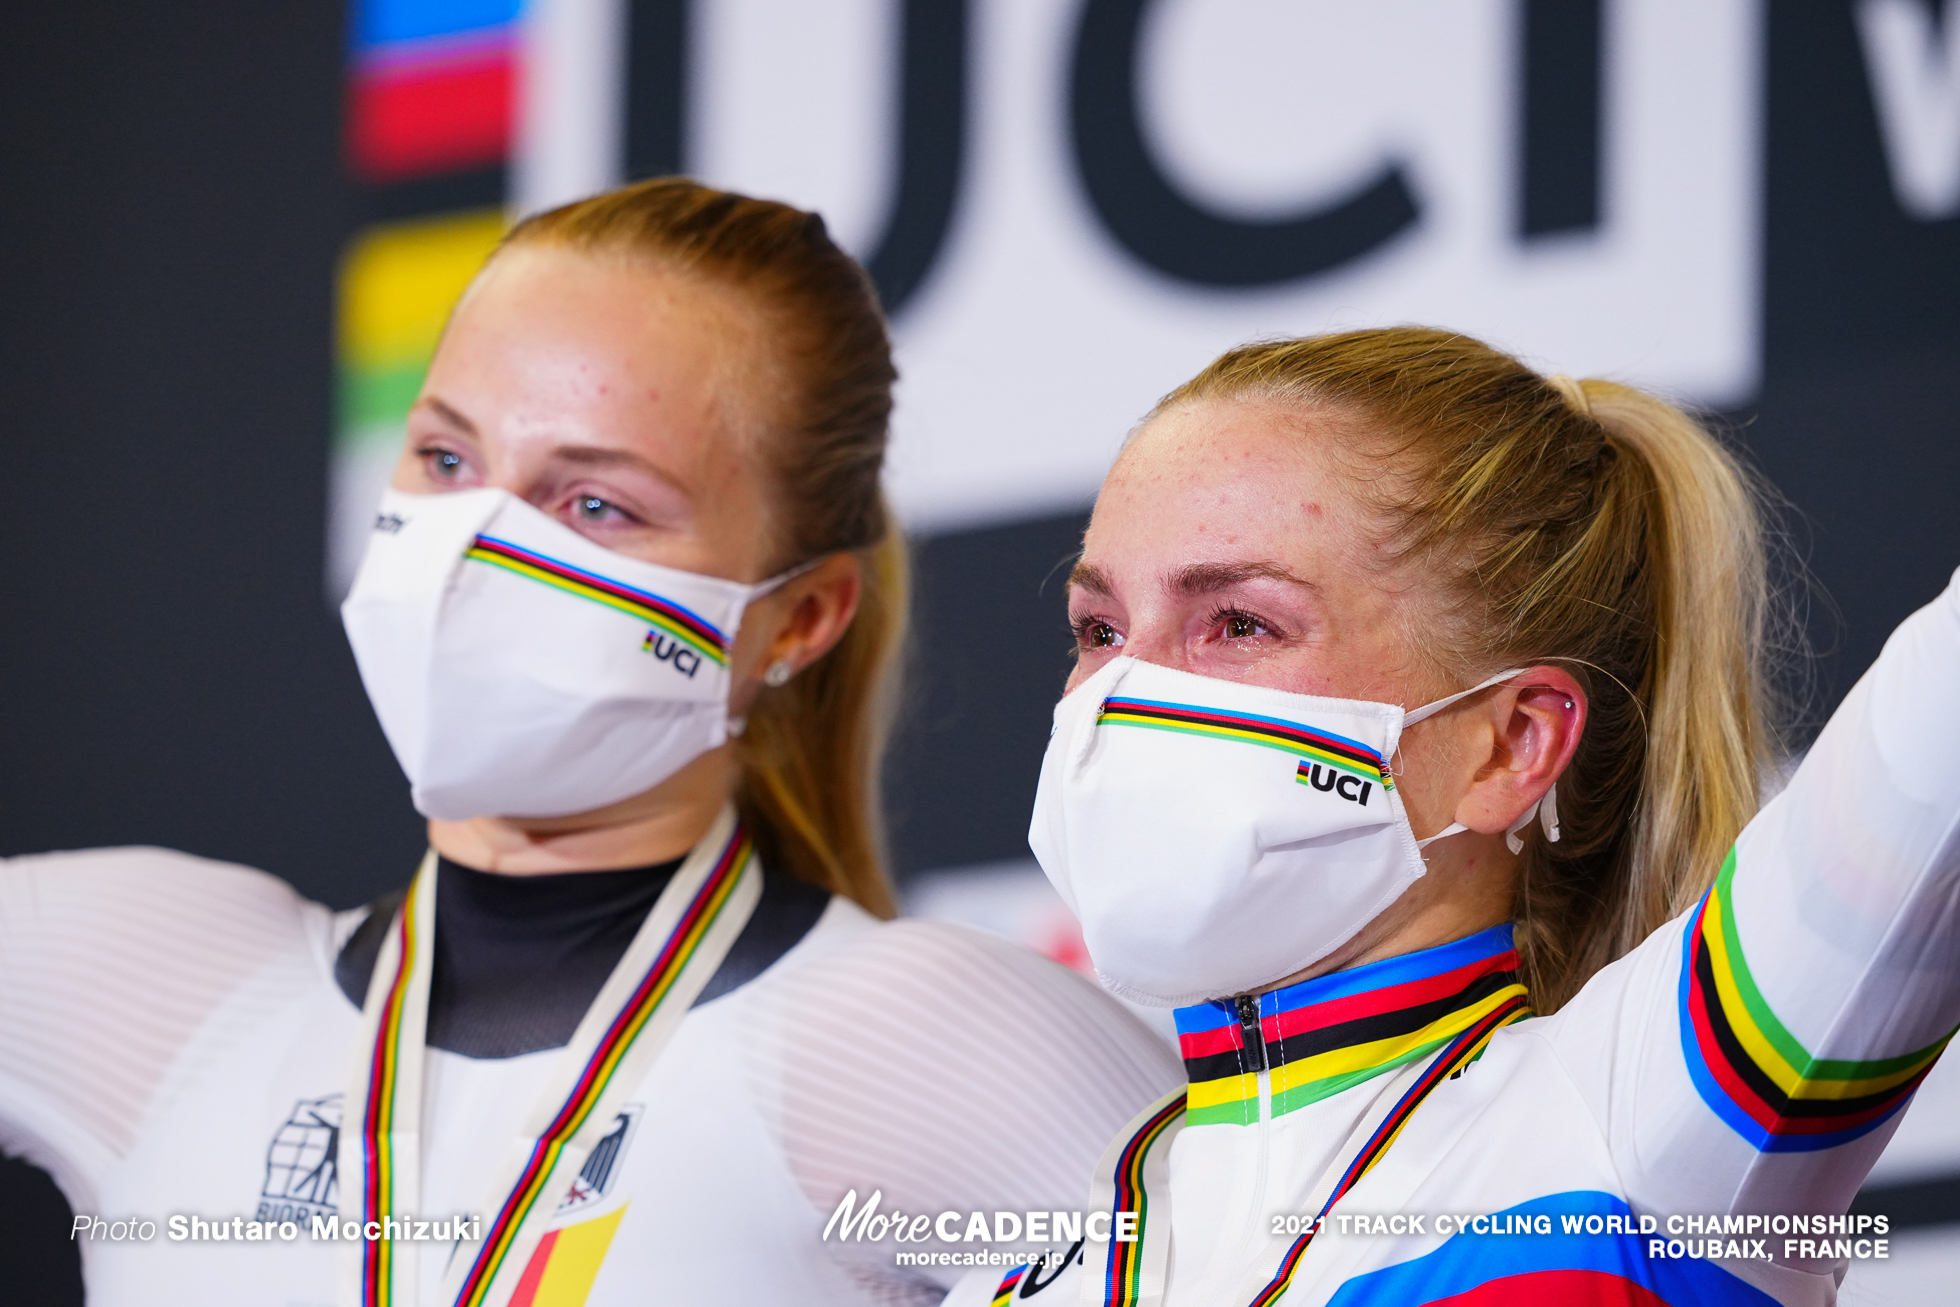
[
  {"x": 1568, "y": 703},
  {"x": 778, "y": 674}
]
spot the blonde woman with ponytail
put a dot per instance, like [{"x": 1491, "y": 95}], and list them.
[
  {"x": 1413, "y": 755},
  {"x": 637, "y": 1026}
]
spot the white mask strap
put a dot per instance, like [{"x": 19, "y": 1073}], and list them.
[
  {"x": 1546, "y": 810},
  {"x": 781, "y": 579},
  {"x": 1454, "y": 828},
  {"x": 1431, "y": 709},
  {"x": 736, "y": 725}
]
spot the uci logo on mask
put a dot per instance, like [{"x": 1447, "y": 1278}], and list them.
[
  {"x": 1351, "y": 788},
  {"x": 685, "y": 660}
]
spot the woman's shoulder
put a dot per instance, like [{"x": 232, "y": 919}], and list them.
[
  {"x": 152, "y": 900},
  {"x": 951, "y": 1069},
  {"x": 958, "y": 989},
  {"x": 110, "y": 961}
]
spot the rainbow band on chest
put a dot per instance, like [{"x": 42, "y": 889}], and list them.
[
  {"x": 653, "y": 988},
  {"x": 664, "y": 615},
  {"x": 1304, "y": 742},
  {"x": 1466, "y": 1047},
  {"x": 1333, "y": 1032}
]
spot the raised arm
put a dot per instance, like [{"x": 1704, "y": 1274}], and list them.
[
  {"x": 1755, "y": 1055},
  {"x": 110, "y": 960}
]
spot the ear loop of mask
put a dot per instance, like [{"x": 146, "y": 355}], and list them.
[
  {"x": 1546, "y": 809},
  {"x": 736, "y": 725}
]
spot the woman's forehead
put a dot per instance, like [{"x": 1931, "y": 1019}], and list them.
[{"x": 1216, "y": 469}]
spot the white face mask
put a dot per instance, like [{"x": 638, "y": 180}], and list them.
[
  {"x": 1214, "y": 837},
  {"x": 520, "y": 670}
]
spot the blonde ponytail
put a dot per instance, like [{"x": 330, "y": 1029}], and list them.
[
  {"x": 1707, "y": 735},
  {"x": 1585, "y": 524}
]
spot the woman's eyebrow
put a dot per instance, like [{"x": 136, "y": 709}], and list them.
[
  {"x": 1205, "y": 578},
  {"x": 598, "y": 456},
  {"x": 447, "y": 414},
  {"x": 1087, "y": 576}
]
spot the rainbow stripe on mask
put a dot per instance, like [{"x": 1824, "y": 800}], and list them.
[
  {"x": 664, "y": 615},
  {"x": 1313, "y": 747}
]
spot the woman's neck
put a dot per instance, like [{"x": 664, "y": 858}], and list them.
[{"x": 656, "y": 826}]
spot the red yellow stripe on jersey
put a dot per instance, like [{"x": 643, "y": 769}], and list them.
[
  {"x": 1315, "y": 746},
  {"x": 664, "y": 615},
  {"x": 1460, "y": 1052},
  {"x": 633, "y": 1016},
  {"x": 1327, "y": 1034},
  {"x": 1008, "y": 1283},
  {"x": 1748, "y": 1067}
]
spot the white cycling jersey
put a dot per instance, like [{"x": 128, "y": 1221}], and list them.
[
  {"x": 175, "y": 1042},
  {"x": 1729, "y": 1083}
]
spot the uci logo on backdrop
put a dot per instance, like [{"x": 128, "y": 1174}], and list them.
[{"x": 1068, "y": 207}]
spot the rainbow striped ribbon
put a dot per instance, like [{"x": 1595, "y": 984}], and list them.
[
  {"x": 1133, "y": 1272},
  {"x": 676, "y": 952},
  {"x": 1460, "y": 1052},
  {"x": 389, "y": 1092}
]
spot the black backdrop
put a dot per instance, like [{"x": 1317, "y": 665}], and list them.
[{"x": 170, "y": 216}]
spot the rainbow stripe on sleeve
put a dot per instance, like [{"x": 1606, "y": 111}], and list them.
[
  {"x": 1315, "y": 746},
  {"x": 1748, "y": 1067},
  {"x": 663, "y": 615}
]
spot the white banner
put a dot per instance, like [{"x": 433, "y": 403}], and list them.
[{"x": 1140, "y": 185}]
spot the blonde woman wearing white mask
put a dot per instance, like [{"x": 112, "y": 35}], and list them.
[
  {"x": 1416, "y": 693},
  {"x": 627, "y": 620}
]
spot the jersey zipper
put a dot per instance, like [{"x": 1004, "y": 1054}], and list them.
[
  {"x": 1256, "y": 1060},
  {"x": 1255, "y": 1038}
]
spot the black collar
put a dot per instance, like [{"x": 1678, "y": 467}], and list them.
[{"x": 519, "y": 959}]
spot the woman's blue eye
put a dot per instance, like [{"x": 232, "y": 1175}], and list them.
[
  {"x": 448, "y": 463},
  {"x": 592, "y": 507}
]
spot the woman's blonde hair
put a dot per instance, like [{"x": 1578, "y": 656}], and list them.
[
  {"x": 811, "y": 753},
  {"x": 1586, "y": 524}
]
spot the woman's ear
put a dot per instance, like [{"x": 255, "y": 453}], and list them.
[
  {"x": 1535, "y": 720},
  {"x": 812, "y": 612}
]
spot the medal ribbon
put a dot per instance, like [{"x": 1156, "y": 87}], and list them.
[
  {"x": 1457, "y": 1054},
  {"x": 672, "y": 957},
  {"x": 1134, "y": 1166}
]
